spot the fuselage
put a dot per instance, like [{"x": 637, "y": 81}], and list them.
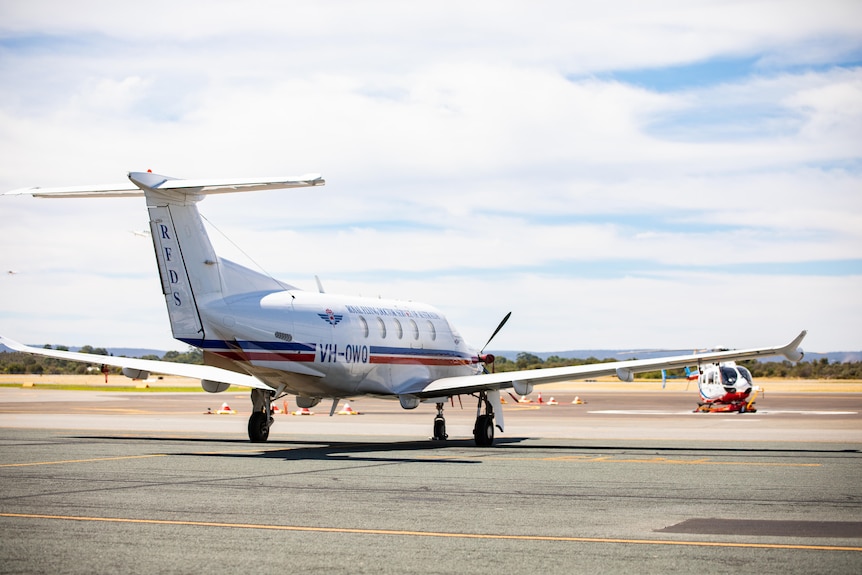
[{"x": 323, "y": 345}]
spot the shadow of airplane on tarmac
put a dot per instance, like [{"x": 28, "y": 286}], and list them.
[{"x": 461, "y": 451}]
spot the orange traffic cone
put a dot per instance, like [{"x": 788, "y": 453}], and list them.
[
  {"x": 577, "y": 401},
  {"x": 553, "y": 401},
  {"x": 303, "y": 411},
  {"x": 347, "y": 410},
  {"x": 525, "y": 399},
  {"x": 540, "y": 398},
  {"x": 225, "y": 410}
]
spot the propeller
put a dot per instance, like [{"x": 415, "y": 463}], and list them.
[{"x": 487, "y": 358}]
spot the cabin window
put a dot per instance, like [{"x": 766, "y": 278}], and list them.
[
  {"x": 415, "y": 329},
  {"x": 432, "y": 331},
  {"x": 382, "y": 327},
  {"x": 363, "y": 326},
  {"x": 399, "y": 331}
]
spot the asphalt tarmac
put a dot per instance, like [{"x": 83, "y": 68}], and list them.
[{"x": 628, "y": 482}]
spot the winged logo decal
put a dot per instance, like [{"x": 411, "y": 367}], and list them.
[{"x": 330, "y": 317}]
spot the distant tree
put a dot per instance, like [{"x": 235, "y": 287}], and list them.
[
  {"x": 15, "y": 368},
  {"x": 528, "y": 361},
  {"x": 94, "y": 350},
  {"x": 191, "y": 355}
]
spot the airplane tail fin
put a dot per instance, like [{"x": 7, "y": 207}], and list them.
[
  {"x": 191, "y": 273},
  {"x": 188, "y": 265}
]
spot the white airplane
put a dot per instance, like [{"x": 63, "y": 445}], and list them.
[{"x": 276, "y": 339}]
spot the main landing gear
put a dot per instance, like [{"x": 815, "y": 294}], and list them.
[
  {"x": 483, "y": 430},
  {"x": 261, "y": 416}
]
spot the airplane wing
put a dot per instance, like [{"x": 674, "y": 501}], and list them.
[
  {"x": 523, "y": 381},
  {"x": 207, "y": 372}
]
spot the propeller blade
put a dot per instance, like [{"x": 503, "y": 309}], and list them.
[{"x": 496, "y": 331}]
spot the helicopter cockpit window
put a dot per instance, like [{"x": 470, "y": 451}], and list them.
[
  {"x": 728, "y": 376},
  {"x": 745, "y": 373}
]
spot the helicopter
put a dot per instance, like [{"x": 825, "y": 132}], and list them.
[{"x": 725, "y": 387}]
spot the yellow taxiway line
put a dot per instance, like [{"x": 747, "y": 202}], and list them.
[
  {"x": 615, "y": 459},
  {"x": 91, "y": 460},
  {"x": 560, "y": 458},
  {"x": 123, "y": 457},
  {"x": 406, "y": 533}
]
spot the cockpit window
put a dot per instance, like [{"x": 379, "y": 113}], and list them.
[
  {"x": 745, "y": 373},
  {"x": 728, "y": 376}
]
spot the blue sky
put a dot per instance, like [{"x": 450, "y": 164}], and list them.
[{"x": 619, "y": 176}]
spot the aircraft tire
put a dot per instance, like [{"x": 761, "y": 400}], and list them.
[
  {"x": 440, "y": 429},
  {"x": 258, "y": 427},
  {"x": 483, "y": 431}
]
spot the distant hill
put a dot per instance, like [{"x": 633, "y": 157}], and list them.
[{"x": 118, "y": 351}]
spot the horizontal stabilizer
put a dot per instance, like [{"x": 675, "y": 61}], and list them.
[
  {"x": 106, "y": 191},
  {"x": 148, "y": 180}
]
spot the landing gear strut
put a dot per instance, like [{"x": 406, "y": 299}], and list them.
[
  {"x": 440, "y": 425},
  {"x": 261, "y": 416},
  {"x": 483, "y": 431}
]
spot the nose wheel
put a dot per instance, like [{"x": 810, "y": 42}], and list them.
[
  {"x": 258, "y": 427},
  {"x": 440, "y": 425},
  {"x": 261, "y": 416}
]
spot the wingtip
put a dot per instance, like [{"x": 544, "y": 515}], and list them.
[
  {"x": 21, "y": 191},
  {"x": 10, "y": 343},
  {"x": 792, "y": 351}
]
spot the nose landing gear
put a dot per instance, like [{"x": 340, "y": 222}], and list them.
[
  {"x": 440, "y": 425},
  {"x": 261, "y": 416}
]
